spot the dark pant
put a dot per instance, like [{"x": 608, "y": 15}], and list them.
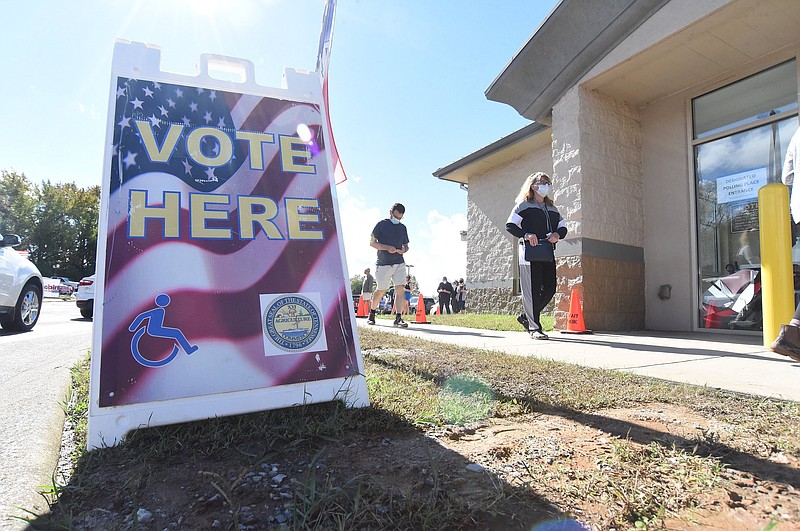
[
  {"x": 543, "y": 287},
  {"x": 444, "y": 303}
]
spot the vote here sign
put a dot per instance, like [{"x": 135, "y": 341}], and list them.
[{"x": 222, "y": 285}]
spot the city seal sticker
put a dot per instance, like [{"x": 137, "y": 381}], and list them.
[{"x": 292, "y": 323}]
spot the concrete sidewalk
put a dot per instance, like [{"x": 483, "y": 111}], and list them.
[{"x": 724, "y": 361}]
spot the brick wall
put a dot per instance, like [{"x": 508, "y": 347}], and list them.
[
  {"x": 612, "y": 292},
  {"x": 490, "y": 249},
  {"x": 595, "y": 163}
]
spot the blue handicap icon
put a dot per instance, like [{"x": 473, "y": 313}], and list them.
[{"x": 154, "y": 327}]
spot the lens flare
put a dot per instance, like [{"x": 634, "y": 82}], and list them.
[
  {"x": 465, "y": 398},
  {"x": 304, "y": 132}
]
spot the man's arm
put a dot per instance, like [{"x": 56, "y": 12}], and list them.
[
  {"x": 373, "y": 242},
  {"x": 404, "y": 248}
]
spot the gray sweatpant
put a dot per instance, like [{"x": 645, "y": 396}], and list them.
[{"x": 525, "y": 285}]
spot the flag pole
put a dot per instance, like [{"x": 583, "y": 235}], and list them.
[
  {"x": 323, "y": 59},
  {"x": 326, "y": 37}
]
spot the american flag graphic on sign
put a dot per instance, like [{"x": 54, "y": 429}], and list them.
[
  {"x": 160, "y": 105},
  {"x": 220, "y": 231}
]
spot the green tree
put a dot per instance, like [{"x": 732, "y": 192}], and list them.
[
  {"x": 63, "y": 239},
  {"x": 356, "y": 283},
  {"x": 57, "y": 223},
  {"x": 85, "y": 212},
  {"x": 17, "y": 205},
  {"x": 54, "y": 230}
]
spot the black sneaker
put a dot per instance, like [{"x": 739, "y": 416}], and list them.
[
  {"x": 399, "y": 323},
  {"x": 538, "y": 334},
  {"x": 523, "y": 320},
  {"x": 371, "y": 318}
]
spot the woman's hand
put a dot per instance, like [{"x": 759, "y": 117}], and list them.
[
  {"x": 554, "y": 237},
  {"x": 532, "y": 239}
]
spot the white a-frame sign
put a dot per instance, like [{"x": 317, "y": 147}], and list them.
[{"x": 221, "y": 278}]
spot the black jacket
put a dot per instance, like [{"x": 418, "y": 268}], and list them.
[{"x": 529, "y": 218}]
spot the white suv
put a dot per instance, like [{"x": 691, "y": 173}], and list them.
[
  {"x": 84, "y": 298},
  {"x": 20, "y": 287}
]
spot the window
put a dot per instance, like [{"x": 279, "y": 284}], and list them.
[
  {"x": 767, "y": 93},
  {"x": 741, "y": 135}
]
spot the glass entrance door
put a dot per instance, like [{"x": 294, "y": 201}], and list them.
[
  {"x": 729, "y": 172},
  {"x": 741, "y": 135}
]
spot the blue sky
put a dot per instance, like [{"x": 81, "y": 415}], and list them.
[{"x": 407, "y": 82}]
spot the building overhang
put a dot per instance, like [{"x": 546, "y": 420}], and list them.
[
  {"x": 674, "y": 45},
  {"x": 488, "y": 157},
  {"x": 571, "y": 40}
]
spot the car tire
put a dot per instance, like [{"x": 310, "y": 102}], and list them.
[
  {"x": 86, "y": 313},
  {"x": 27, "y": 311}
]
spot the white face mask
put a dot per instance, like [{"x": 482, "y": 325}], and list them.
[
  {"x": 395, "y": 220},
  {"x": 543, "y": 189}
]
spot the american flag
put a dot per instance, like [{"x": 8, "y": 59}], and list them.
[{"x": 323, "y": 60}]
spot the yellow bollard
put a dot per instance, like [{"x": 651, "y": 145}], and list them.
[{"x": 777, "y": 283}]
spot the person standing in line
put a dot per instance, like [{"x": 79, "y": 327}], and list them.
[
  {"x": 368, "y": 286},
  {"x": 407, "y": 294},
  {"x": 788, "y": 341},
  {"x": 390, "y": 239},
  {"x": 455, "y": 304},
  {"x": 445, "y": 289},
  {"x": 536, "y": 220},
  {"x": 461, "y": 295},
  {"x": 454, "y": 296}
]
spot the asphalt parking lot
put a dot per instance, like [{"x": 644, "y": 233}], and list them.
[{"x": 34, "y": 382}]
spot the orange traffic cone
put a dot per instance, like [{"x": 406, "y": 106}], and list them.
[
  {"x": 421, "y": 317},
  {"x": 363, "y": 307},
  {"x": 575, "y": 323}
]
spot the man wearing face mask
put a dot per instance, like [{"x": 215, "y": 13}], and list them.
[
  {"x": 390, "y": 238},
  {"x": 445, "y": 290}
]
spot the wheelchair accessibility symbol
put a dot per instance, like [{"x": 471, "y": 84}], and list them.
[{"x": 154, "y": 327}]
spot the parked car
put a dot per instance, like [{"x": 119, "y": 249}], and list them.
[
  {"x": 20, "y": 287},
  {"x": 65, "y": 286},
  {"x": 84, "y": 299},
  {"x": 429, "y": 302},
  {"x": 68, "y": 282}
]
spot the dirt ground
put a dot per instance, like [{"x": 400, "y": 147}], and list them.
[
  {"x": 753, "y": 494},
  {"x": 535, "y": 468}
]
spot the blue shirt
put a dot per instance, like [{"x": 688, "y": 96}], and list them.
[{"x": 388, "y": 233}]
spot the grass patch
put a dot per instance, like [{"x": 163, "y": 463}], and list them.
[{"x": 198, "y": 473}]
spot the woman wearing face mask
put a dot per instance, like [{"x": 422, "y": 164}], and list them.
[{"x": 537, "y": 222}]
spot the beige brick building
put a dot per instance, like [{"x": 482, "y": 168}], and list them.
[{"x": 646, "y": 113}]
